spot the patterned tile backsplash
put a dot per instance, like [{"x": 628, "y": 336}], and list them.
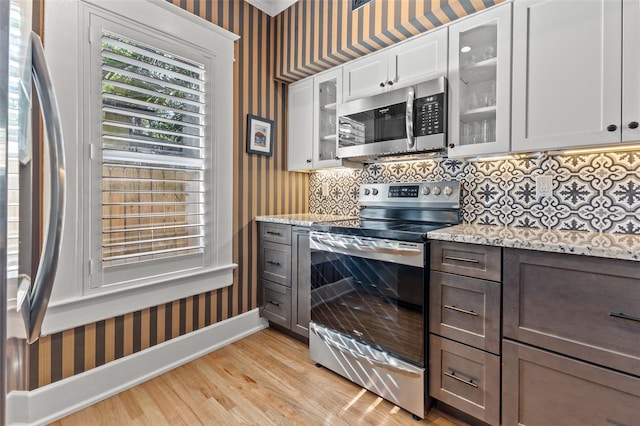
[{"x": 597, "y": 192}]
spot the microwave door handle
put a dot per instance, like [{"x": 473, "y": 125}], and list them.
[{"x": 411, "y": 141}]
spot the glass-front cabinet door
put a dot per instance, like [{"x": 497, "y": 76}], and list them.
[
  {"x": 479, "y": 78},
  {"x": 327, "y": 96}
]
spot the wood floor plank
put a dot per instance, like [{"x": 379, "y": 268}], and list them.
[{"x": 264, "y": 379}]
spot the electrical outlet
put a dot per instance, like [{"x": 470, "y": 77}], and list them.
[
  {"x": 325, "y": 189},
  {"x": 544, "y": 186}
]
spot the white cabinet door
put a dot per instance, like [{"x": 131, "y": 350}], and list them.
[
  {"x": 420, "y": 59},
  {"x": 567, "y": 60},
  {"x": 300, "y": 126},
  {"x": 631, "y": 71},
  {"x": 327, "y": 89},
  {"x": 480, "y": 84},
  {"x": 365, "y": 77}
]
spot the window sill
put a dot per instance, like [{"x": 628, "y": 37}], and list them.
[{"x": 69, "y": 313}]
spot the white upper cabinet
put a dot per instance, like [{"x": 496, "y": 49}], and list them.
[
  {"x": 313, "y": 123},
  {"x": 327, "y": 95},
  {"x": 366, "y": 76},
  {"x": 631, "y": 71},
  {"x": 567, "y": 73},
  {"x": 420, "y": 59},
  {"x": 300, "y": 126},
  {"x": 480, "y": 83}
]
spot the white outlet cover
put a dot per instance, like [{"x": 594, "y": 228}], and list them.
[
  {"x": 325, "y": 189},
  {"x": 544, "y": 186}
]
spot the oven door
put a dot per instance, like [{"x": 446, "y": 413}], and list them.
[{"x": 371, "y": 290}]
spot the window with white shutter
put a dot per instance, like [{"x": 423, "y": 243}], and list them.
[
  {"x": 152, "y": 156},
  {"x": 145, "y": 90}
]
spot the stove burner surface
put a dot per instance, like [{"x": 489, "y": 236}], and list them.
[{"x": 393, "y": 230}]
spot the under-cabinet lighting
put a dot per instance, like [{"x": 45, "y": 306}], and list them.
[
  {"x": 520, "y": 156},
  {"x": 496, "y": 158},
  {"x": 465, "y": 49},
  {"x": 595, "y": 150}
]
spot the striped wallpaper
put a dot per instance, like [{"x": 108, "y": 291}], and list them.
[
  {"x": 309, "y": 37},
  {"x": 315, "y": 35}
]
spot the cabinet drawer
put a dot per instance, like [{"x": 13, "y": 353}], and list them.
[
  {"x": 542, "y": 388},
  {"x": 275, "y": 232},
  {"x": 465, "y": 378},
  {"x": 584, "y": 307},
  {"x": 465, "y": 309},
  {"x": 275, "y": 263},
  {"x": 276, "y": 303},
  {"x": 472, "y": 260}
]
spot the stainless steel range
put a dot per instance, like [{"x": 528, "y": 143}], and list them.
[{"x": 369, "y": 281}]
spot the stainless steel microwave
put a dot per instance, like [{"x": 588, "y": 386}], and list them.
[{"x": 408, "y": 120}]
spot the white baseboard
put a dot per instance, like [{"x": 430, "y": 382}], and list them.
[{"x": 64, "y": 397}]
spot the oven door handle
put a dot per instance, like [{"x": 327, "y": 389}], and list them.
[
  {"x": 389, "y": 250},
  {"x": 357, "y": 354}
]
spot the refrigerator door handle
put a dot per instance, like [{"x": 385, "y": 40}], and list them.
[{"x": 38, "y": 299}]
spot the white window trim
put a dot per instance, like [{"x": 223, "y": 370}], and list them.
[{"x": 73, "y": 302}]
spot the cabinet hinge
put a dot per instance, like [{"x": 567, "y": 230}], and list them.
[{"x": 90, "y": 35}]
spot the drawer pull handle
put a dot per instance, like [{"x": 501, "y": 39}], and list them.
[
  {"x": 461, "y": 259},
  {"x": 273, "y": 302},
  {"x": 464, "y": 311},
  {"x": 466, "y": 382},
  {"x": 624, "y": 316},
  {"x": 274, "y": 233},
  {"x": 271, "y": 262}
]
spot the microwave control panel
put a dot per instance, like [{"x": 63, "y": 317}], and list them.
[{"x": 429, "y": 115}]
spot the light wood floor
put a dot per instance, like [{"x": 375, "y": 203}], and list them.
[{"x": 264, "y": 379}]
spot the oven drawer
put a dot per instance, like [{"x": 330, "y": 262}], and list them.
[
  {"x": 465, "y": 309},
  {"x": 543, "y": 388},
  {"x": 472, "y": 260},
  {"x": 587, "y": 308},
  {"x": 274, "y": 232},
  {"x": 465, "y": 378},
  {"x": 276, "y": 303},
  {"x": 275, "y": 263}
]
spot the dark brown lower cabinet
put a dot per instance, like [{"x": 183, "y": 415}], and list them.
[
  {"x": 541, "y": 388},
  {"x": 465, "y": 378},
  {"x": 276, "y": 303},
  {"x": 284, "y": 269}
]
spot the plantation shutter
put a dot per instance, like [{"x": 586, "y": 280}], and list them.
[{"x": 153, "y": 153}]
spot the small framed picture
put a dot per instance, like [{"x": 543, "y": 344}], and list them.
[{"x": 260, "y": 133}]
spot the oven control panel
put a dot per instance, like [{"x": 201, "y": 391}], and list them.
[{"x": 434, "y": 194}]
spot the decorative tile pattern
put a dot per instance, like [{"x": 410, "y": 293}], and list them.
[{"x": 596, "y": 192}]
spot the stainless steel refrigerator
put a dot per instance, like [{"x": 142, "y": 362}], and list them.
[{"x": 25, "y": 289}]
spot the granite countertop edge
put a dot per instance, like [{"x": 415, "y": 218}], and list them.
[
  {"x": 606, "y": 245},
  {"x": 302, "y": 219}
]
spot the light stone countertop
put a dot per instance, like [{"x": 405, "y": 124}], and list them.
[
  {"x": 612, "y": 246},
  {"x": 302, "y": 219}
]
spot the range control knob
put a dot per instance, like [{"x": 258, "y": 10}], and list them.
[
  {"x": 436, "y": 190},
  {"x": 426, "y": 190},
  {"x": 366, "y": 191},
  {"x": 374, "y": 191},
  {"x": 448, "y": 190}
]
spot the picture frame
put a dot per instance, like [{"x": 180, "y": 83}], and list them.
[{"x": 260, "y": 133}]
